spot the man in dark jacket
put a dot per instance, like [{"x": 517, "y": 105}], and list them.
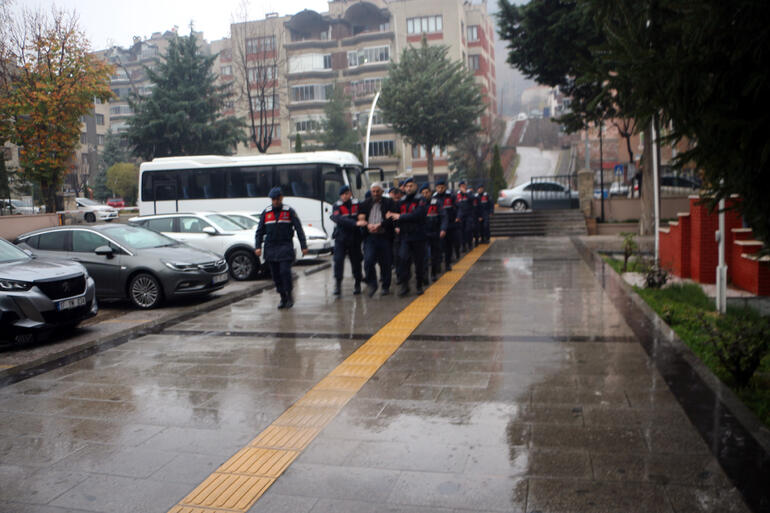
[
  {"x": 484, "y": 208},
  {"x": 347, "y": 239},
  {"x": 435, "y": 228},
  {"x": 277, "y": 225},
  {"x": 396, "y": 195},
  {"x": 464, "y": 202},
  {"x": 452, "y": 238},
  {"x": 411, "y": 223},
  {"x": 378, "y": 239}
]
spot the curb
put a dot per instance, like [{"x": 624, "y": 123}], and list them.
[
  {"x": 748, "y": 429},
  {"x": 73, "y": 354}
]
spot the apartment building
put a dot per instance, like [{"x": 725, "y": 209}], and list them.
[{"x": 352, "y": 45}]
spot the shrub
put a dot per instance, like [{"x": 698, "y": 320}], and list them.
[
  {"x": 655, "y": 277},
  {"x": 740, "y": 342},
  {"x": 629, "y": 246}
]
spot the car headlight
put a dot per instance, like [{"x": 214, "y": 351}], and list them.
[
  {"x": 181, "y": 266},
  {"x": 12, "y": 285}
]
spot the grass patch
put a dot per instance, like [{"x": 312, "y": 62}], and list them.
[
  {"x": 635, "y": 265},
  {"x": 685, "y": 307}
]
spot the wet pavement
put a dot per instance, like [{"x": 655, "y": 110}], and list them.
[{"x": 523, "y": 390}]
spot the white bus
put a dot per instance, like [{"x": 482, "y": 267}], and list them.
[{"x": 310, "y": 183}]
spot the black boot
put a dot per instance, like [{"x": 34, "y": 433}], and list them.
[
  {"x": 289, "y": 300},
  {"x": 419, "y": 288},
  {"x": 404, "y": 289},
  {"x": 338, "y": 287},
  {"x": 385, "y": 292},
  {"x": 357, "y": 288},
  {"x": 282, "y": 304},
  {"x": 371, "y": 288}
]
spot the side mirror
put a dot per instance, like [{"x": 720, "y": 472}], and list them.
[
  {"x": 359, "y": 183},
  {"x": 210, "y": 230},
  {"x": 105, "y": 251}
]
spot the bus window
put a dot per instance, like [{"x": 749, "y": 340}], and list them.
[
  {"x": 331, "y": 177},
  {"x": 159, "y": 186},
  {"x": 298, "y": 180},
  {"x": 203, "y": 184},
  {"x": 252, "y": 182}
]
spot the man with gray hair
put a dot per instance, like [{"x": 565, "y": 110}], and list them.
[{"x": 378, "y": 239}]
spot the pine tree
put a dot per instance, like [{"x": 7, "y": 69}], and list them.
[
  {"x": 181, "y": 115},
  {"x": 497, "y": 180},
  {"x": 430, "y": 100},
  {"x": 298, "y": 144},
  {"x": 337, "y": 128}
]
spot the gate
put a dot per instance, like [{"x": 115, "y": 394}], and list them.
[{"x": 556, "y": 192}]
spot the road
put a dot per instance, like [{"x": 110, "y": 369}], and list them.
[
  {"x": 536, "y": 162},
  {"x": 516, "y": 383}
]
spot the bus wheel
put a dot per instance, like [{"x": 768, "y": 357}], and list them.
[{"x": 242, "y": 264}]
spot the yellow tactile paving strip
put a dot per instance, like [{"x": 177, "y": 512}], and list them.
[{"x": 241, "y": 480}]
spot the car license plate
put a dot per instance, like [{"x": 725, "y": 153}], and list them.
[
  {"x": 71, "y": 303},
  {"x": 219, "y": 278}
]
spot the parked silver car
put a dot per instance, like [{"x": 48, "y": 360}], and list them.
[
  {"x": 130, "y": 262},
  {"x": 520, "y": 197},
  {"x": 38, "y": 295}
]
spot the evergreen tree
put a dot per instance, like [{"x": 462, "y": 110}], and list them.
[
  {"x": 181, "y": 115},
  {"x": 337, "y": 128},
  {"x": 430, "y": 100},
  {"x": 298, "y": 144},
  {"x": 497, "y": 180}
]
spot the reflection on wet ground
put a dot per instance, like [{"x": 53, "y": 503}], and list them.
[{"x": 524, "y": 390}]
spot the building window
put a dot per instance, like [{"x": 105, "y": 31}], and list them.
[
  {"x": 314, "y": 92},
  {"x": 262, "y": 74},
  {"x": 276, "y": 131},
  {"x": 419, "y": 153},
  {"x": 473, "y": 33},
  {"x": 368, "y": 56},
  {"x": 271, "y": 102},
  {"x": 100, "y": 139},
  {"x": 82, "y": 137},
  {"x": 100, "y": 119},
  {"x": 366, "y": 87},
  {"x": 309, "y": 62},
  {"x": 362, "y": 119},
  {"x": 381, "y": 148},
  {"x": 260, "y": 44},
  {"x": 424, "y": 24},
  {"x": 307, "y": 125},
  {"x": 226, "y": 71},
  {"x": 474, "y": 62}
]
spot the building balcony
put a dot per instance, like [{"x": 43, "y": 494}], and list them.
[
  {"x": 307, "y": 105},
  {"x": 310, "y": 43},
  {"x": 365, "y": 37},
  {"x": 366, "y": 68},
  {"x": 326, "y": 73}
]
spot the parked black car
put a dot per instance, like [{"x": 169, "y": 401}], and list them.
[
  {"x": 131, "y": 262},
  {"x": 38, "y": 295}
]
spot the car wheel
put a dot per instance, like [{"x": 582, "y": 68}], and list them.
[
  {"x": 519, "y": 206},
  {"x": 90, "y": 217},
  {"x": 144, "y": 291},
  {"x": 243, "y": 265}
]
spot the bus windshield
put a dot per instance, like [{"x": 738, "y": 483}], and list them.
[{"x": 351, "y": 172}]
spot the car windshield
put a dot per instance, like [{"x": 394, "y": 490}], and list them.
[
  {"x": 245, "y": 221},
  {"x": 89, "y": 202},
  {"x": 10, "y": 253},
  {"x": 225, "y": 223},
  {"x": 138, "y": 238}
]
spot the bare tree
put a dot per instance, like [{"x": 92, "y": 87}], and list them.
[
  {"x": 256, "y": 47},
  {"x": 626, "y": 128}
]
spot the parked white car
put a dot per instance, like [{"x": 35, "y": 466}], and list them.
[
  {"x": 94, "y": 211},
  {"x": 318, "y": 243},
  {"x": 214, "y": 232},
  {"x": 520, "y": 197}
]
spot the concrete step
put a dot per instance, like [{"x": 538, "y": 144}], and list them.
[{"x": 537, "y": 223}]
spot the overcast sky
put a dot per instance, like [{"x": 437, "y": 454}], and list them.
[{"x": 114, "y": 22}]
